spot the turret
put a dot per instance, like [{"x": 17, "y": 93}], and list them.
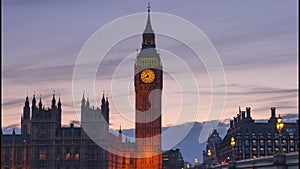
[
  {"x": 59, "y": 104},
  {"x": 238, "y": 118},
  {"x": 40, "y": 103},
  {"x": 243, "y": 115},
  {"x": 273, "y": 112},
  {"x": 235, "y": 121},
  {"x": 26, "y": 109},
  {"x": 82, "y": 103},
  {"x": 248, "y": 111},
  {"x": 33, "y": 102},
  {"x": 120, "y": 136},
  {"x": 231, "y": 123},
  {"x": 103, "y": 100},
  {"x": 59, "y": 112},
  {"x": 105, "y": 109},
  {"x": 53, "y": 101},
  {"x": 87, "y": 102}
]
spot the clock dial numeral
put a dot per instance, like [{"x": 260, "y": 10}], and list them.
[{"x": 147, "y": 76}]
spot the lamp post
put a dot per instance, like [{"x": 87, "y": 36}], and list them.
[
  {"x": 279, "y": 127},
  {"x": 209, "y": 158},
  {"x": 231, "y": 164},
  {"x": 232, "y": 143},
  {"x": 279, "y": 158}
]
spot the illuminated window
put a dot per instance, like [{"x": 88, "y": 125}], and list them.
[
  {"x": 291, "y": 142},
  {"x": 276, "y": 142},
  {"x": 284, "y": 149},
  {"x": 42, "y": 154},
  {"x": 292, "y": 150},
  {"x": 254, "y": 157},
  {"x": 254, "y": 149},
  {"x": 254, "y": 143},
  {"x": 68, "y": 156},
  {"x": 76, "y": 156},
  {"x": 261, "y": 149}
]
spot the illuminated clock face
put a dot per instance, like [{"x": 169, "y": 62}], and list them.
[{"x": 147, "y": 76}]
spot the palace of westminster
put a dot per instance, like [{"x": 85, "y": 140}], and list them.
[{"x": 45, "y": 144}]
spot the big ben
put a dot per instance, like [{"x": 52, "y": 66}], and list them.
[{"x": 148, "y": 82}]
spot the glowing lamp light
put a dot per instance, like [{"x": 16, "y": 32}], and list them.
[
  {"x": 232, "y": 142},
  {"x": 208, "y": 153}
]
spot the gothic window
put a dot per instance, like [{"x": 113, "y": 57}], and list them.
[
  {"x": 68, "y": 153},
  {"x": 68, "y": 156},
  {"x": 77, "y": 157},
  {"x": 19, "y": 155},
  {"x": 270, "y": 151},
  {"x": 91, "y": 152},
  {"x": 254, "y": 143},
  {"x": 284, "y": 142},
  {"x": 43, "y": 131},
  {"x": 284, "y": 149},
  {"x": 42, "y": 154},
  {"x": 276, "y": 143},
  {"x": 6, "y": 154},
  {"x": 262, "y": 151},
  {"x": 261, "y": 142},
  {"x": 269, "y": 142},
  {"x": 58, "y": 153}
]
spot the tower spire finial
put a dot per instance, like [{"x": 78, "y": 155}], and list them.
[
  {"x": 148, "y": 28},
  {"x": 148, "y": 7}
]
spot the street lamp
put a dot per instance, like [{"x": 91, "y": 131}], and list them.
[
  {"x": 196, "y": 161},
  {"x": 279, "y": 127},
  {"x": 209, "y": 156},
  {"x": 232, "y": 143}
]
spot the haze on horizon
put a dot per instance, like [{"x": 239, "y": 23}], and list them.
[{"x": 256, "y": 41}]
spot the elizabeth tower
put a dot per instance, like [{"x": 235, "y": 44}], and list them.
[{"x": 148, "y": 82}]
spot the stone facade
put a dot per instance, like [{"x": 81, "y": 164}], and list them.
[
  {"x": 255, "y": 139},
  {"x": 49, "y": 145}
]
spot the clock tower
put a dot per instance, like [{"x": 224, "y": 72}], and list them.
[{"x": 148, "y": 83}]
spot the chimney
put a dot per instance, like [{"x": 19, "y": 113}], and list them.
[
  {"x": 273, "y": 110},
  {"x": 238, "y": 118},
  {"x": 72, "y": 125},
  {"x": 243, "y": 115},
  {"x": 231, "y": 123},
  {"x": 248, "y": 111},
  {"x": 235, "y": 120}
]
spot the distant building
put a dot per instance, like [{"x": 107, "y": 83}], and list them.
[
  {"x": 44, "y": 143},
  {"x": 172, "y": 159},
  {"x": 257, "y": 139},
  {"x": 212, "y": 145}
]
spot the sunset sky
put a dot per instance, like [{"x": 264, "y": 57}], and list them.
[{"x": 256, "y": 41}]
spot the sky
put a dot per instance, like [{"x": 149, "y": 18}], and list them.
[{"x": 256, "y": 42}]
